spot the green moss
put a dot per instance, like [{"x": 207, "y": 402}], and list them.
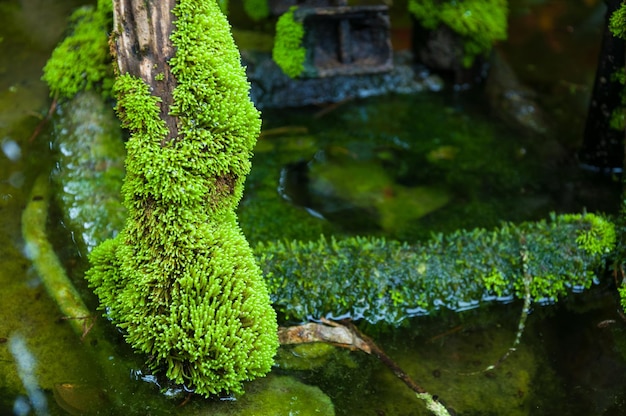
[
  {"x": 480, "y": 23},
  {"x": 385, "y": 280},
  {"x": 617, "y": 22},
  {"x": 598, "y": 238},
  {"x": 181, "y": 279},
  {"x": 288, "y": 52},
  {"x": 256, "y": 9},
  {"x": 82, "y": 60},
  {"x": 617, "y": 25}
]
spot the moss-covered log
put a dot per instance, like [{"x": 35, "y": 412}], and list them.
[
  {"x": 380, "y": 280},
  {"x": 88, "y": 176},
  {"x": 180, "y": 279}
]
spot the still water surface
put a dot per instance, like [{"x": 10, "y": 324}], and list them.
[{"x": 571, "y": 359}]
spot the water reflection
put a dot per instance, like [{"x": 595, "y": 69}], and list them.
[{"x": 26, "y": 369}]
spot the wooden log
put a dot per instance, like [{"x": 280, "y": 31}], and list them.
[{"x": 142, "y": 47}]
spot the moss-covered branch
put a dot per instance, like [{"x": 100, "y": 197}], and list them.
[
  {"x": 82, "y": 61},
  {"x": 380, "y": 280},
  {"x": 143, "y": 48},
  {"x": 180, "y": 279}
]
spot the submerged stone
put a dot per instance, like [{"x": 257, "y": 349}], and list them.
[
  {"x": 275, "y": 395},
  {"x": 340, "y": 186},
  {"x": 311, "y": 356}
]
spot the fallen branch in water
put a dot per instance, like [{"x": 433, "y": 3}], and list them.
[
  {"x": 41, "y": 253},
  {"x": 60, "y": 288},
  {"x": 44, "y": 120},
  {"x": 346, "y": 335}
]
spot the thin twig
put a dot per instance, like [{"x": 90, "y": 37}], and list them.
[
  {"x": 346, "y": 335},
  {"x": 43, "y": 122},
  {"x": 527, "y": 279},
  {"x": 277, "y": 131}
]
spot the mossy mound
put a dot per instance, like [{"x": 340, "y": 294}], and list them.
[
  {"x": 82, "y": 61},
  {"x": 180, "y": 279},
  {"x": 288, "y": 51},
  {"x": 480, "y": 23}
]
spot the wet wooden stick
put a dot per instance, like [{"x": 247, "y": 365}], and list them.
[
  {"x": 346, "y": 335},
  {"x": 43, "y": 121},
  {"x": 40, "y": 251}
]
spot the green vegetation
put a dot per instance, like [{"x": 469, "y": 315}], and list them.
[
  {"x": 82, "y": 60},
  {"x": 180, "y": 279},
  {"x": 256, "y": 9},
  {"x": 384, "y": 280},
  {"x": 480, "y": 23},
  {"x": 617, "y": 25},
  {"x": 288, "y": 52},
  {"x": 617, "y": 22}
]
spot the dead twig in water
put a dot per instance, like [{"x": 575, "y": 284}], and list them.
[
  {"x": 88, "y": 323},
  {"x": 330, "y": 108},
  {"x": 528, "y": 278},
  {"x": 346, "y": 335},
  {"x": 445, "y": 334},
  {"x": 277, "y": 131},
  {"x": 43, "y": 121}
]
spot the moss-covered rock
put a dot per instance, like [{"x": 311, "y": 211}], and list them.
[
  {"x": 180, "y": 279},
  {"x": 480, "y": 23},
  {"x": 288, "y": 51},
  {"x": 82, "y": 61}
]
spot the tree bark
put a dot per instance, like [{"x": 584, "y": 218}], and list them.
[
  {"x": 142, "y": 47},
  {"x": 602, "y": 147}
]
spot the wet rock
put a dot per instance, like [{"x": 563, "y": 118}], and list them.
[
  {"x": 271, "y": 88},
  {"x": 274, "y": 395},
  {"x": 312, "y": 356},
  {"x": 79, "y": 399},
  {"x": 362, "y": 193},
  {"x": 511, "y": 101}
]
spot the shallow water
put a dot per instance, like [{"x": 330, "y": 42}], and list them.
[{"x": 571, "y": 359}]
